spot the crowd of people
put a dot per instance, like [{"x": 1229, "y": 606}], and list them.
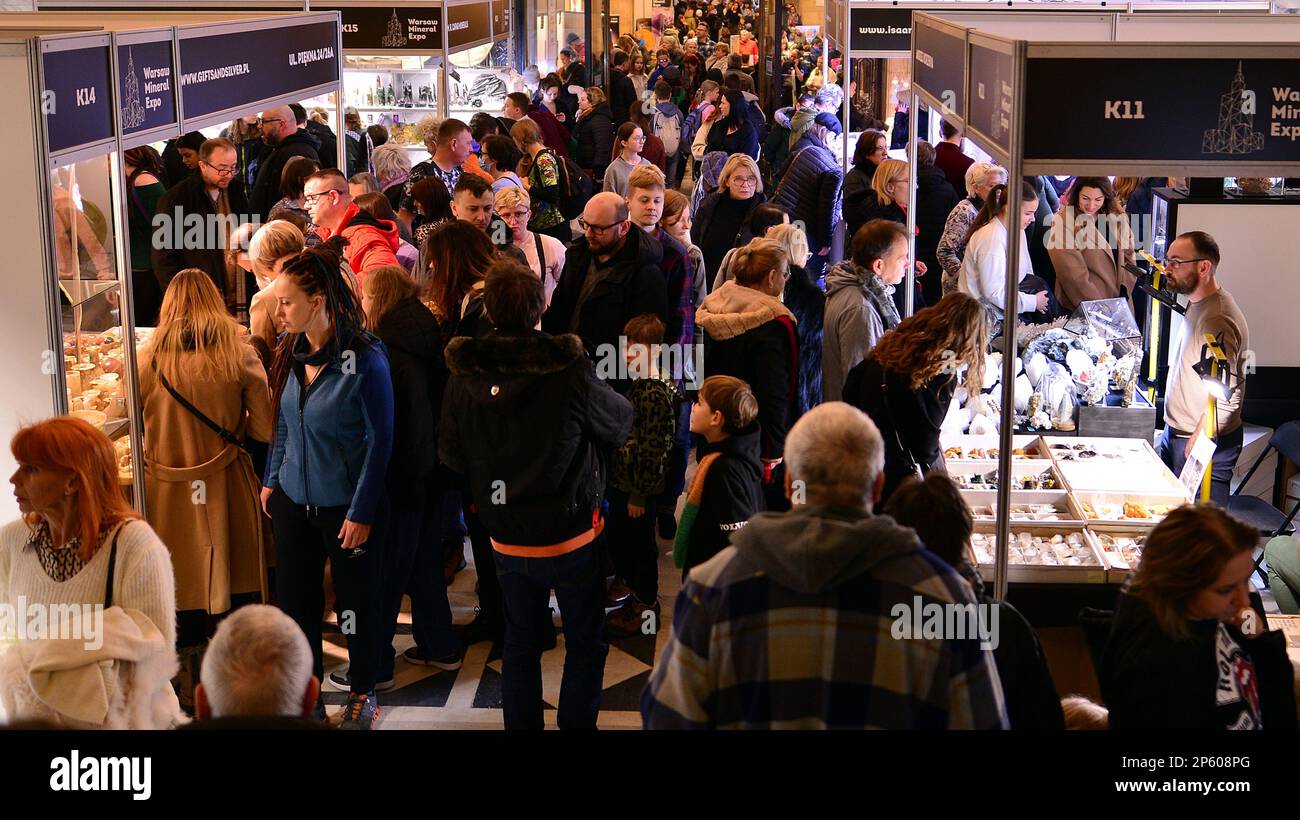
[{"x": 525, "y": 340}]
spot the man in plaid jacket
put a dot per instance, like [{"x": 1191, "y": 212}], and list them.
[{"x": 794, "y": 625}]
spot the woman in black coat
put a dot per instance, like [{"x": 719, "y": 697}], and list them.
[
  {"x": 935, "y": 199},
  {"x": 414, "y": 557},
  {"x": 907, "y": 381},
  {"x": 1189, "y": 649},
  {"x": 731, "y": 131},
  {"x": 593, "y": 133},
  {"x": 871, "y": 150},
  {"x": 721, "y": 221}
]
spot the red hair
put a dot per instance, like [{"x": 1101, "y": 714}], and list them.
[{"x": 74, "y": 446}]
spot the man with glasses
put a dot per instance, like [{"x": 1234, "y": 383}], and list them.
[
  {"x": 611, "y": 274},
  {"x": 283, "y": 142},
  {"x": 372, "y": 243},
  {"x": 198, "y": 216},
  {"x": 1190, "y": 266}
]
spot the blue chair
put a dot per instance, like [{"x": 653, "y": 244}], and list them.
[{"x": 1258, "y": 513}]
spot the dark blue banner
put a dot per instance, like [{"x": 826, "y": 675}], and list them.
[
  {"x": 237, "y": 68},
  {"x": 78, "y": 97},
  {"x": 146, "y": 86},
  {"x": 939, "y": 65},
  {"x": 880, "y": 29},
  {"x": 1202, "y": 109},
  {"x": 992, "y": 95}
]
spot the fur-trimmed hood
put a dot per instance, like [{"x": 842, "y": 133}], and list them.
[
  {"x": 733, "y": 309},
  {"x": 526, "y": 354}
]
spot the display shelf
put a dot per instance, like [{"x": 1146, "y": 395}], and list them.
[
  {"x": 1121, "y": 557},
  {"x": 81, "y": 291},
  {"x": 1040, "y": 560}
]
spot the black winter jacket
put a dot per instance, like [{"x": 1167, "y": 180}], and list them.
[
  {"x": 745, "y": 140},
  {"x": 191, "y": 196},
  {"x": 858, "y": 198},
  {"x": 328, "y": 144},
  {"x": 935, "y": 198},
  {"x": 915, "y": 415},
  {"x": 733, "y": 493},
  {"x": 530, "y": 427},
  {"x": 633, "y": 286},
  {"x": 595, "y": 140},
  {"x": 808, "y": 304},
  {"x": 1150, "y": 681},
  {"x": 621, "y": 96},
  {"x": 810, "y": 191},
  {"x": 704, "y": 216},
  {"x": 419, "y": 370},
  {"x": 270, "y": 167}
]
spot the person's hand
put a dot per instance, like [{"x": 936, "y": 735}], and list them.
[
  {"x": 920, "y": 268},
  {"x": 354, "y": 534},
  {"x": 1191, "y": 441},
  {"x": 635, "y": 510},
  {"x": 1041, "y": 301},
  {"x": 266, "y": 496},
  {"x": 560, "y": 116},
  {"x": 824, "y": 251}
]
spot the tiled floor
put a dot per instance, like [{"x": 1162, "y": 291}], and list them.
[{"x": 470, "y": 697}]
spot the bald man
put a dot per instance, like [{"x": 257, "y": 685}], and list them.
[
  {"x": 623, "y": 268},
  {"x": 283, "y": 142}
]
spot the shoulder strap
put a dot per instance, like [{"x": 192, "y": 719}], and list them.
[
  {"x": 225, "y": 435},
  {"x": 541, "y": 255},
  {"x": 889, "y": 413},
  {"x": 112, "y": 563}
]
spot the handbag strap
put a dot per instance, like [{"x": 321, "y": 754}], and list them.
[
  {"x": 226, "y": 436},
  {"x": 541, "y": 255},
  {"x": 112, "y": 563}
]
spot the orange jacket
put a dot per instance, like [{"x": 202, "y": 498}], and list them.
[{"x": 372, "y": 243}]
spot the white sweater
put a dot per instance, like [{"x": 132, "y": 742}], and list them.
[
  {"x": 984, "y": 267},
  {"x": 144, "y": 578}
]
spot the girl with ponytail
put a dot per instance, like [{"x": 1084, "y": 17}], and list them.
[
  {"x": 983, "y": 272},
  {"x": 332, "y": 395}
]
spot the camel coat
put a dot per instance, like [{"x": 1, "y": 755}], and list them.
[
  {"x": 1086, "y": 265},
  {"x": 217, "y": 535}
]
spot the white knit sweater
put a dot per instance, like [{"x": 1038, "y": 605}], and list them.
[{"x": 144, "y": 578}]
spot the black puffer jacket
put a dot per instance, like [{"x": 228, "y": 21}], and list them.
[
  {"x": 415, "y": 358},
  {"x": 328, "y": 144},
  {"x": 733, "y": 492},
  {"x": 808, "y": 304},
  {"x": 810, "y": 191},
  {"x": 1151, "y": 681},
  {"x": 595, "y": 136},
  {"x": 858, "y": 197},
  {"x": 549, "y": 471},
  {"x": 634, "y": 286},
  {"x": 191, "y": 197},
  {"x": 270, "y": 167}
]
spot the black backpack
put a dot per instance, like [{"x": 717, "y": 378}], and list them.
[{"x": 575, "y": 187}]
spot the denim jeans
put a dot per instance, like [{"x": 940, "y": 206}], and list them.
[
  {"x": 413, "y": 564},
  {"x": 1172, "y": 451},
  {"x": 579, "y": 585}
]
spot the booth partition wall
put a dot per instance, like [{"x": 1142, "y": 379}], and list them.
[{"x": 87, "y": 97}]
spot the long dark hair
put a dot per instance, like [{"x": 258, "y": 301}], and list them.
[
  {"x": 318, "y": 271},
  {"x": 145, "y": 159},
  {"x": 624, "y": 134},
  {"x": 1112, "y": 204},
  {"x": 996, "y": 203},
  {"x": 865, "y": 148},
  {"x": 737, "y": 116},
  {"x": 459, "y": 255}
]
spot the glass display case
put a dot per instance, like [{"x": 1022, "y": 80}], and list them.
[
  {"x": 98, "y": 350},
  {"x": 476, "y": 82}
]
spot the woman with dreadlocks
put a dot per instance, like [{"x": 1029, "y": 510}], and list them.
[{"x": 332, "y": 397}]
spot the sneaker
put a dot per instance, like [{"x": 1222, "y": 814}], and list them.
[
  {"x": 667, "y": 525},
  {"x": 618, "y": 594},
  {"x": 362, "y": 712},
  {"x": 447, "y": 663},
  {"x": 630, "y": 619},
  {"x": 482, "y": 629},
  {"x": 341, "y": 679}
]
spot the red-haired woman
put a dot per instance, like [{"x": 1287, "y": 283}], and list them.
[{"x": 80, "y": 543}]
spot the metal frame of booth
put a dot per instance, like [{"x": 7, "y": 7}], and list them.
[
  {"x": 1015, "y": 59},
  {"x": 45, "y": 33}
]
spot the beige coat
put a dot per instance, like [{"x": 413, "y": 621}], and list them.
[
  {"x": 217, "y": 535},
  {"x": 1086, "y": 267}
]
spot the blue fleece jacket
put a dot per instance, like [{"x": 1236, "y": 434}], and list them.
[{"x": 332, "y": 444}]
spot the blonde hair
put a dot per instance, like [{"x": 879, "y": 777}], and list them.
[
  {"x": 1082, "y": 714},
  {"x": 274, "y": 241},
  {"x": 511, "y": 197},
  {"x": 933, "y": 340},
  {"x": 595, "y": 95},
  {"x": 980, "y": 171},
  {"x": 887, "y": 172},
  {"x": 392, "y": 161},
  {"x": 427, "y": 128},
  {"x": 752, "y": 263},
  {"x": 645, "y": 176},
  {"x": 734, "y": 163},
  {"x": 196, "y": 337},
  {"x": 386, "y": 286},
  {"x": 525, "y": 133},
  {"x": 794, "y": 240}
]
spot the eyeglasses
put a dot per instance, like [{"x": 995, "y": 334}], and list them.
[
  {"x": 1173, "y": 263},
  {"x": 225, "y": 171},
  {"x": 310, "y": 198},
  {"x": 587, "y": 226},
  {"x": 265, "y": 120},
  {"x": 739, "y": 180}
]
